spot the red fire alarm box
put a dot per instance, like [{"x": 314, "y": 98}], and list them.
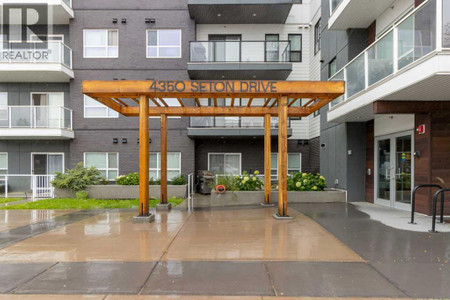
[{"x": 421, "y": 129}]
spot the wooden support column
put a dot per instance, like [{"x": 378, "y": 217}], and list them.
[
  {"x": 267, "y": 159},
  {"x": 143, "y": 156},
  {"x": 163, "y": 159},
  {"x": 282, "y": 156}
]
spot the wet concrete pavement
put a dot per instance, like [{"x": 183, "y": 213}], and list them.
[{"x": 327, "y": 250}]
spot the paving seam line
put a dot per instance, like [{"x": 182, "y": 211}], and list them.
[
  {"x": 163, "y": 254},
  {"x": 12, "y": 291}
]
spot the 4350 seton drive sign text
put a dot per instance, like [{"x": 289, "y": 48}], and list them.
[{"x": 179, "y": 86}]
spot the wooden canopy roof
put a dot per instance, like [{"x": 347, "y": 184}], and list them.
[{"x": 124, "y": 96}]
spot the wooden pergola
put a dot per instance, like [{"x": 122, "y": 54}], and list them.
[{"x": 265, "y": 99}]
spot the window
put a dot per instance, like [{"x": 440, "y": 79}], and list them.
[
  {"x": 173, "y": 165},
  {"x": 272, "y": 47},
  {"x": 164, "y": 43},
  {"x": 332, "y": 68},
  {"x": 224, "y": 163},
  {"x": 317, "y": 37},
  {"x": 294, "y": 163},
  {"x": 106, "y": 162},
  {"x": 317, "y": 113},
  {"x": 295, "y": 54},
  {"x": 101, "y": 43},
  {"x": 4, "y": 107},
  {"x": 3, "y": 163},
  {"x": 94, "y": 109}
]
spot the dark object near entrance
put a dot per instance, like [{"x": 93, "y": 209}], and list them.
[{"x": 205, "y": 180}]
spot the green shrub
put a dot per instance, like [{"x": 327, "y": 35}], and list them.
[
  {"x": 228, "y": 181},
  {"x": 178, "y": 180},
  {"x": 81, "y": 195},
  {"x": 129, "y": 179},
  {"x": 306, "y": 182},
  {"x": 78, "y": 178},
  {"x": 154, "y": 182},
  {"x": 247, "y": 182},
  {"x": 244, "y": 182}
]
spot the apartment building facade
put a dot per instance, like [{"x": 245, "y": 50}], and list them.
[
  {"x": 48, "y": 125},
  {"x": 390, "y": 131}
]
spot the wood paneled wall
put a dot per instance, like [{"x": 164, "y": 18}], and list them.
[{"x": 370, "y": 160}]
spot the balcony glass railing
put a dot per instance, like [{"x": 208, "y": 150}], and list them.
[
  {"x": 240, "y": 51},
  {"x": 36, "y": 52},
  {"x": 53, "y": 117},
  {"x": 68, "y": 2},
  {"x": 334, "y": 4},
  {"x": 406, "y": 42},
  {"x": 231, "y": 122}
]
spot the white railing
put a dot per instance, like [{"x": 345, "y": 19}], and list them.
[
  {"x": 56, "y": 117},
  {"x": 36, "y": 52},
  {"x": 417, "y": 35},
  {"x": 190, "y": 195},
  {"x": 39, "y": 185}
]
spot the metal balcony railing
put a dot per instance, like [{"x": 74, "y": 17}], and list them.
[
  {"x": 52, "y": 117},
  {"x": 231, "y": 122},
  {"x": 423, "y": 31},
  {"x": 240, "y": 51},
  {"x": 36, "y": 52}
]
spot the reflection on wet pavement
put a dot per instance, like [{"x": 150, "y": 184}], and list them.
[{"x": 250, "y": 234}]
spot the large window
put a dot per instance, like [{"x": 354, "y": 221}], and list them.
[
  {"x": 101, "y": 43},
  {"x": 224, "y": 163},
  {"x": 164, "y": 43},
  {"x": 295, "y": 54},
  {"x": 294, "y": 163},
  {"x": 173, "y": 165},
  {"x": 94, "y": 109},
  {"x": 317, "y": 37},
  {"x": 332, "y": 68},
  {"x": 3, "y": 163},
  {"x": 106, "y": 162},
  {"x": 272, "y": 47},
  {"x": 446, "y": 24}
]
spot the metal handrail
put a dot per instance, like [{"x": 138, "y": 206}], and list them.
[
  {"x": 413, "y": 197},
  {"x": 204, "y": 57},
  {"x": 442, "y": 192}
]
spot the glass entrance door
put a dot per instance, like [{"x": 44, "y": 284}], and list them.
[{"x": 394, "y": 170}]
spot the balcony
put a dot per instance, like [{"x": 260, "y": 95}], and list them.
[
  {"x": 35, "y": 62},
  {"x": 240, "y": 11},
  {"x": 245, "y": 127},
  {"x": 35, "y": 122},
  {"x": 347, "y": 14},
  {"x": 235, "y": 60},
  {"x": 411, "y": 62},
  {"x": 59, "y": 11}
]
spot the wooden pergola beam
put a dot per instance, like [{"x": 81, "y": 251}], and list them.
[
  {"x": 143, "y": 157},
  {"x": 163, "y": 155},
  {"x": 181, "y": 102},
  {"x": 274, "y": 103},
  {"x": 198, "y": 102},
  {"x": 292, "y": 102},
  {"x": 213, "y": 89},
  {"x": 282, "y": 156},
  {"x": 120, "y": 101},
  {"x": 267, "y": 102},
  {"x": 207, "y": 111},
  {"x": 163, "y": 102},
  {"x": 267, "y": 159},
  {"x": 249, "y": 102},
  {"x": 155, "y": 102}
]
